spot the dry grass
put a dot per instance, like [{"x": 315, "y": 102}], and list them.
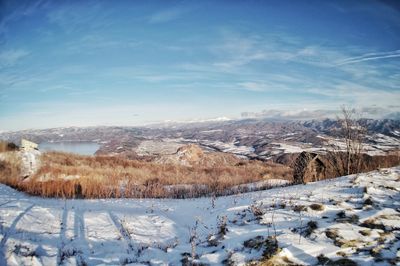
[
  {"x": 3, "y": 146},
  {"x": 75, "y": 176},
  {"x": 10, "y": 169},
  {"x": 271, "y": 252},
  {"x": 365, "y": 232},
  {"x": 277, "y": 260},
  {"x": 317, "y": 207},
  {"x": 299, "y": 208},
  {"x": 323, "y": 260},
  {"x": 7, "y": 146}
]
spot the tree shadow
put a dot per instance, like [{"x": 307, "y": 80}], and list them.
[
  {"x": 63, "y": 229},
  {"x": 11, "y": 231}
]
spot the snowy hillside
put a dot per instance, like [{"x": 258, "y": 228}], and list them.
[{"x": 357, "y": 218}]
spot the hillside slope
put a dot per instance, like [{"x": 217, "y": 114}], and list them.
[{"x": 352, "y": 219}]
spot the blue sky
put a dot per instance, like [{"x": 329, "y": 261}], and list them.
[{"x": 85, "y": 63}]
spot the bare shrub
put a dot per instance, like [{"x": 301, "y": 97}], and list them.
[
  {"x": 257, "y": 210},
  {"x": 222, "y": 226},
  {"x": 323, "y": 260},
  {"x": 299, "y": 208},
  {"x": 348, "y": 159},
  {"x": 373, "y": 223},
  {"x": 307, "y": 229},
  {"x": 269, "y": 245},
  {"x": 341, "y": 217},
  {"x": 254, "y": 243}
]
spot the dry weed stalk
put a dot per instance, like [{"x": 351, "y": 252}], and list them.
[{"x": 74, "y": 176}]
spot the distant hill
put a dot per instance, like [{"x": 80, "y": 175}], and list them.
[
  {"x": 252, "y": 138},
  {"x": 387, "y": 127}
]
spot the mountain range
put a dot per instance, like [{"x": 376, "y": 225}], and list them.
[{"x": 252, "y": 138}]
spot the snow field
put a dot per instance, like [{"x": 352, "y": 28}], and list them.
[{"x": 355, "y": 218}]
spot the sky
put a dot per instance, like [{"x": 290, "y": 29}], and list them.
[{"x": 88, "y": 63}]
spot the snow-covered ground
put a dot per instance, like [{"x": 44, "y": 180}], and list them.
[
  {"x": 358, "y": 218},
  {"x": 378, "y": 144},
  {"x": 231, "y": 147},
  {"x": 288, "y": 148}
]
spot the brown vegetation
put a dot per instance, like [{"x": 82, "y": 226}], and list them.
[
  {"x": 7, "y": 146},
  {"x": 340, "y": 160},
  {"x": 317, "y": 207},
  {"x": 193, "y": 155},
  {"x": 310, "y": 167},
  {"x": 10, "y": 169},
  {"x": 74, "y": 176}
]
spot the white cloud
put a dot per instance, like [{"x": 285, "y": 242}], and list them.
[
  {"x": 297, "y": 114},
  {"x": 372, "y": 111}
]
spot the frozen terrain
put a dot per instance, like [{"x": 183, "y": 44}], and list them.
[{"x": 356, "y": 217}]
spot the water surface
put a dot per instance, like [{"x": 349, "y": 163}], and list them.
[{"x": 78, "y": 147}]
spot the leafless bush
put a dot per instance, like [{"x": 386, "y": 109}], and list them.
[
  {"x": 257, "y": 210},
  {"x": 306, "y": 230},
  {"x": 222, "y": 226},
  {"x": 348, "y": 159}
]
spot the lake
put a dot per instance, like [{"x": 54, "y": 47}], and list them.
[{"x": 78, "y": 147}]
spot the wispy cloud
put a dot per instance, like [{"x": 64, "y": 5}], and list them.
[
  {"x": 236, "y": 50},
  {"x": 168, "y": 14},
  {"x": 11, "y": 57},
  {"x": 90, "y": 44},
  {"x": 268, "y": 84},
  {"x": 253, "y": 86},
  {"x": 369, "y": 57},
  {"x": 76, "y": 16},
  {"x": 118, "y": 51},
  {"x": 13, "y": 12}
]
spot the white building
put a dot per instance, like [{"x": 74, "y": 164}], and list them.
[{"x": 27, "y": 145}]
